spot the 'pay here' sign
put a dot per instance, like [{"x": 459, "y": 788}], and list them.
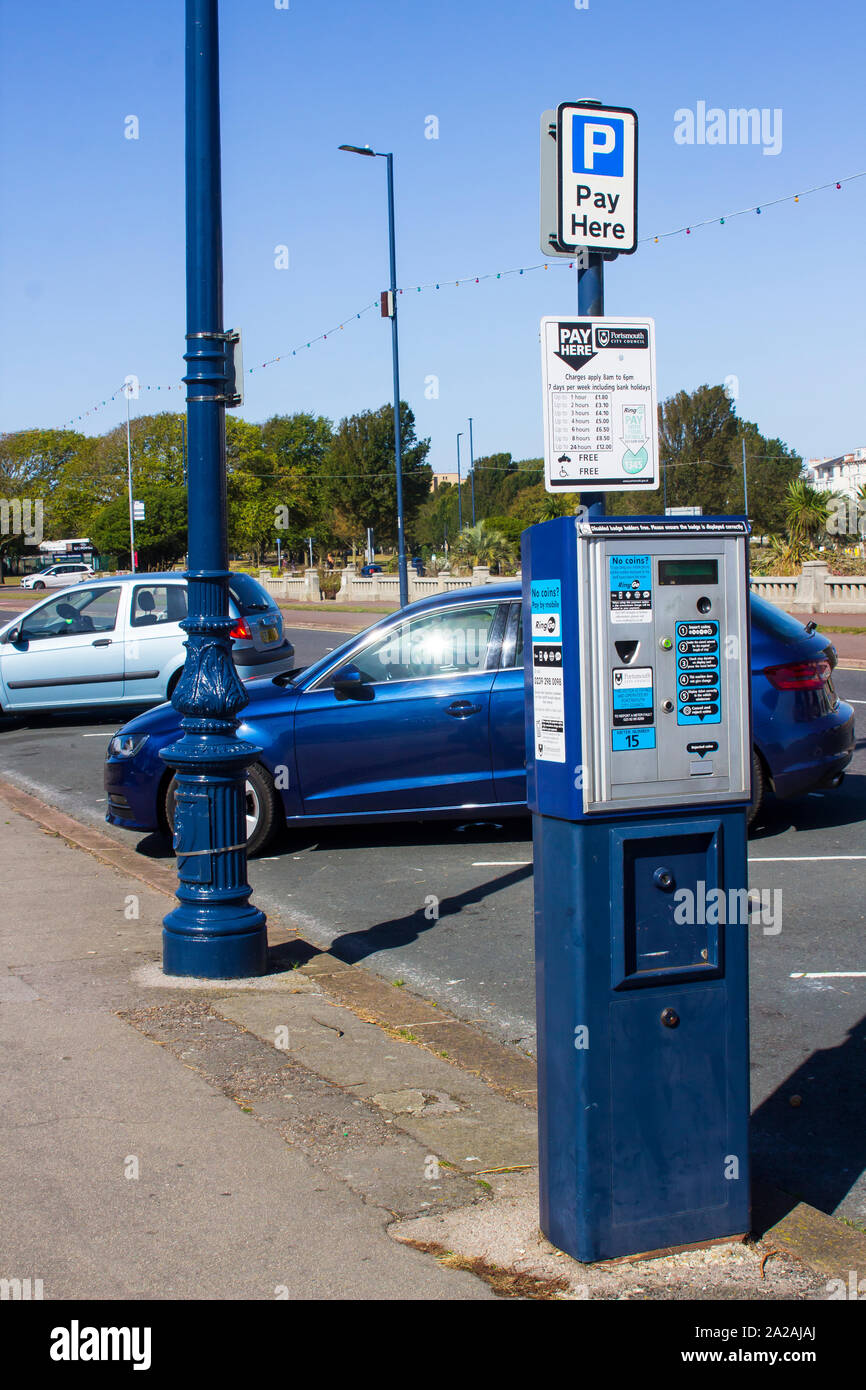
[{"x": 597, "y": 149}]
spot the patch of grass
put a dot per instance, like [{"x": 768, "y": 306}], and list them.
[
  {"x": 404, "y": 1033},
  {"x": 399, "y": 984},
  {"x": 508, "y": 1283}
]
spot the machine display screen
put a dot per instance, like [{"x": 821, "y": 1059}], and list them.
[{"x": 688, "y": 571}]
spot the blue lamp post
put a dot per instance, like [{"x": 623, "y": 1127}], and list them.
[
  {"x": 472, "y": 468},
  {"x": 459, "y": 487},
  {"x": 395, "y": 360},
  {"x": 214, "y": 932}
]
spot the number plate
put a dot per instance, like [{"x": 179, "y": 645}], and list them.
[{"x": 268, "y": 634}]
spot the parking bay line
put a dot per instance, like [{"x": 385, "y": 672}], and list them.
[
  {"x": 753, "y": 859},
  {"x": 827, "y": 975}
]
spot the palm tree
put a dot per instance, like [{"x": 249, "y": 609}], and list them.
[
  {"x": 806, "y": 512},
  {"x": 482, "y": 545}
]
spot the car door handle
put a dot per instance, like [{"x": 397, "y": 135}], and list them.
[
  {"x": 101, "y": 642},
  {"x": 460, "y": 709}
]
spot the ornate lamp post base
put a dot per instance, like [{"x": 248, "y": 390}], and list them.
[{"x": 214, "y": 933}]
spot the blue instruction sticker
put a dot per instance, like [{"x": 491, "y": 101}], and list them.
[
  {"x": 630, "y": 740},
  {"x": 631, "y": 588},
  {"x": 546, "y": 596},
  {"x": 699, "y": 674}
]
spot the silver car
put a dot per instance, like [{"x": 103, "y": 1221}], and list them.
[{"x": 119, "y": 641}]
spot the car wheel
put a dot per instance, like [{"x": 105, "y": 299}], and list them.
[
  {"x": 759, "y": 785},
  {"x": 261, "y": 808},
  {"x": 172, "y": 683},
  {"x": 39, "y": 585}
]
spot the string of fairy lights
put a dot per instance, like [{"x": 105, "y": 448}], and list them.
[{"x": 757, "y": 209}]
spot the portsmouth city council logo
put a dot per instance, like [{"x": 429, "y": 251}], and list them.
[{"x": 602, "y": 337}]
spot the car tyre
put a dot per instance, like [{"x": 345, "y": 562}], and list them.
[
  {"x": 759, "y": 786},
  {"x": 261, "y": 808},
  {"x": 38, "y": 585}
]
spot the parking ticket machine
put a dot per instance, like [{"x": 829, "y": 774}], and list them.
[{"x": 638, "y": 742}]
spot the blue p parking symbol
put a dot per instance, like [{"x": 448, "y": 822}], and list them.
[{"x": 597, "y": 145}]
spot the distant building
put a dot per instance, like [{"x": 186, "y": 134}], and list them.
[
  {"x": 847, "y": 473},
  {"x": 439, "y": 478}
]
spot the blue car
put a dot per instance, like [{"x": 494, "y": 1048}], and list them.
[{"x": 421, "y": 716}]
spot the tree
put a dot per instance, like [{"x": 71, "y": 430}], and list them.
[
  {"x": 701, "y": 458},
  {"x": 298, "y": 445},
  {"x": 482, "y": 545},
  {"x": 806, "y": 512},
  {"x": 499, "y": 482},
  {"x": 159, "y": 540},
  {"x": 536, "y": 504},
  {"x": 358, "y": 475}
]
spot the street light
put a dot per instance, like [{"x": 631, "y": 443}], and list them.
[
  {"x": 128, "y": 389},
  {"x": 459, "y": 486},
  {"x": 395, "y": 354},
  {"x": 472, "y": 469},
  {"x": 214, "y": 932}
]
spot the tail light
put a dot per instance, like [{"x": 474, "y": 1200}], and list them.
[
  {"x": 800, "y": 675},
  {"x": 241, "y": 629}
]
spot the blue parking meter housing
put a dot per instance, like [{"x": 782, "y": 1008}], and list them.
[{"x": 636, "y": 656}]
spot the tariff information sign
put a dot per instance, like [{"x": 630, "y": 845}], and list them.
[{"x": 600, "y": 411}]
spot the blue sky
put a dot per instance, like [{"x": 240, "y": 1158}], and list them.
[{"x": 92, "y": 233}]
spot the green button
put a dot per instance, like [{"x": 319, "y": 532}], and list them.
[{"x": 666, "y": 644}]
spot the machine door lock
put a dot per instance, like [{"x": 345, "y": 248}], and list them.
[
  {"x": 664, "y": 879},
  {"x": 670, "y": 1018}
]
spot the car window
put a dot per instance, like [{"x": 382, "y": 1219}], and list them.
[
  {"x": 446, "y": 642},
  {"x": 512, "y": 643},
  {"x": 155, "y": 604},
  {"x": 249, "y": 595},
  {"x": 68, "y": 615}
]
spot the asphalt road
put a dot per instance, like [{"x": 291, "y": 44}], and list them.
[{"x": 369, "y": 893}]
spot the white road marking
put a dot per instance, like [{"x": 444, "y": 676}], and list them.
[
  {"x": 107, "y": 733},
  {"x": 753, "y": 859},
  {"x": 499, "y": 863},
  {"x": 803, "y": 858},
  {"x": 828, "y": 975},
  {"x": 855, "y": 702}
]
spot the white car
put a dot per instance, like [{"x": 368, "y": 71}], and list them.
[
  {"x": 58, "y": 576},
  {"x": 120, "y": 641}
]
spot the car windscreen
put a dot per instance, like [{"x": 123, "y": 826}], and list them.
[{"x": 249, "y": 595}]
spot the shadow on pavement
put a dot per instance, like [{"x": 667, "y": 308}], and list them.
[
  {"x": 845, "y": 805},
  {"x": 814, "y": 1148},
  {"x": 353, "y": 947}
]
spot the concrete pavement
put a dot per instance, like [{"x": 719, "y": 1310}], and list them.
[
  {"x": 267, "y": 1139},
  {"x": 128, "y": 1170}
]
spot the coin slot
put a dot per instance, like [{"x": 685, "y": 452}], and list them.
[{"x": 626, "y": 651}]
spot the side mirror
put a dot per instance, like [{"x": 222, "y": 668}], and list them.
[
  {"x": 348, "y": 681},
  {"x": 13, "y": 634}
]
